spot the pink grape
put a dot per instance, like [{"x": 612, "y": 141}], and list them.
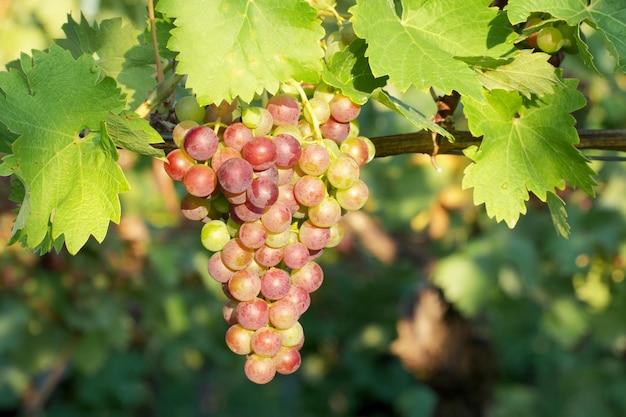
[
  {"x": 222, "y": 155},
  {"x": 200, "y": 142},
  {"x": 266, "y": 341},
  {"x": 245, "y": 212},
  {"x": 309, "y": 191},
  {"x": 309, "y": 277},
  {"x": 237, "y": 135},
  {"x": 288, "y": 150},
  {"x": 286, "y": 196},
  {"x": 253, "y": 314},
  {"x": 277, "y": 218},
  {"x": 259, "y": 369},
  {"x": 260, "y": 152},
  {"x": 200, "y": 180},
  {"x": 271, "y": 173},
  {"x": 285, "y": 109},
  {"x": 228, "y": 311},
  {"x": 236, "y": 256},
  {"x": 299, "y": 297},
  {"x": 235, "y": 175},
  {"x": 238, "y": 339},
  {"x": 287, "y": 360},
  {"x": 244, "y": 285},
  {"x": 268, "y": 256},
  {"x": 313, "y": 237},
  {"x": 314, "y": 159},
  {"x": 295, "y": 255},
  {"x": 334, "y": 130},
  {"x": 217, "y": 269},
  {"x": 283, "y": 314},
  {"x": 252, "y": 234},
  {"x": 356, "y": 148},
  {"x": 343, "y": 109},
  {"x": 275, "y": 284},
  {"x": 194, "y": 208},
  {"x": 262, "y": 193},
  {"x": 178, "y": 163},
  {"x": 235, "y": 199}
]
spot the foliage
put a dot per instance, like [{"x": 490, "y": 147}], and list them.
[{"x": 138, "y": 321}]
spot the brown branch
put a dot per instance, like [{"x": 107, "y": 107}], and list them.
[{"x": 421, "y": 142}]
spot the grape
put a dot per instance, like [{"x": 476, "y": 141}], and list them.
[
  {"x": 275, "y": 284},
  {"x": 271, "y": 193},
  {"x": 214, "y": 235},
  {"x": 253, "y": 314},
  {"x": 235, "y": 175},
  {"x": 313, "y": 237},
  {"x": 309, "y": 277},
  {"x": 549, "y": 39},
  {"x": 237, "y": 135},
  {"x": 283, "y": 314},
  {"x": 353, "y": 198},
  {"x": 178, "y": 162},
  {"x": 334, "y": 130},
  {"x": 187, "y": 108},
  {"x": 266, "y": 341},
  {"x": 259, "y": 369},
  {"x": 194, "y": 208},
  {"x": 342, "y": 109},
  {"x": 180, "y": 130},
  {"x": 285, "y": 109},
  {"x": 263, "y": 192},
  {"x": 295, "y": 255},
  {"x": 288, "y": 150},
  {"x": 314, "y": 159},
  {"x": 200, "y": 143},
  {"x": 236, "y": 256},
  {"x": 244, "y": 285},
  {"x": 260, "y": 152},
  {"x": 319, "y": 108},
  {"x": 200, "y": 180},
  {"x": 238, "y": 339}
]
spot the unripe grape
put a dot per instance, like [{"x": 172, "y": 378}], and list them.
[
  {"x": 549, "y": 39},
  {"x": 214, "y": 235},
  {"x": 187, "y": 108}
]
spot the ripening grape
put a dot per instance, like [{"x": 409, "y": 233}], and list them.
[{"x": 271, "y": 193}]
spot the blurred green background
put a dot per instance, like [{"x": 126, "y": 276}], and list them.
[{"x": 133, "y": 327}]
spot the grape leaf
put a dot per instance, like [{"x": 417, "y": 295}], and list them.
[
  {"x": 131, "y": 132},
  {"x": 247, "y": 46},
  {"x": 118, "y": 51},
  {"x": 349, "y": 71},
  {"x": 71, "y": 183},
  {"x": 526, "y": 72},
  {"x": 526, "y": 147},
  {"x": 608, "y": 17},
  {"x": 419, "y": 48}
]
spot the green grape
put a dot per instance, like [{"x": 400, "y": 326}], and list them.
[
  {"x": 549, "y": 39},
  {"x": 187, "y": 108},
  {"x": 214, "y": 235}
]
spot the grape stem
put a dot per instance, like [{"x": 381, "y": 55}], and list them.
[
  {"x": 163, "y": 90},
  {"x": 155, "y": 47},
  {"x": 317, "y": 133}
]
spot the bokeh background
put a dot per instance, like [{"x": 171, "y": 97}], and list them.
[{"x": 526, "y": 324}]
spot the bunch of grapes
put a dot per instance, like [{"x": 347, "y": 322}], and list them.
[{"x": 270, "y": 182}]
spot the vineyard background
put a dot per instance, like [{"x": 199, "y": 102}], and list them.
[{"x": 133, "y": 326}]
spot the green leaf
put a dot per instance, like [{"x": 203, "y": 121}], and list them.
[
  {"x": 71, "y": 183},
  {"x": 131, "y": 132},
  {"x": 558, "y": 214},
  {"x": 119, "y": 52},
  {"x": 418, "y": 119},
  {"x": 526, "y": 72},
  {"x": 419, "y": 48},
  {"x": 527, "y": 146},
  {"x": 349, "y": 71},
  {"x": 608, "y": 17},
  {"x": 247, "y": 46}
]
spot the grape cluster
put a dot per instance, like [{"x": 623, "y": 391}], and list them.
[{"x": 270, "y": 182}]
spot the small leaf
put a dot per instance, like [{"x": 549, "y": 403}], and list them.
[{"x": 131, "y": 132}]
